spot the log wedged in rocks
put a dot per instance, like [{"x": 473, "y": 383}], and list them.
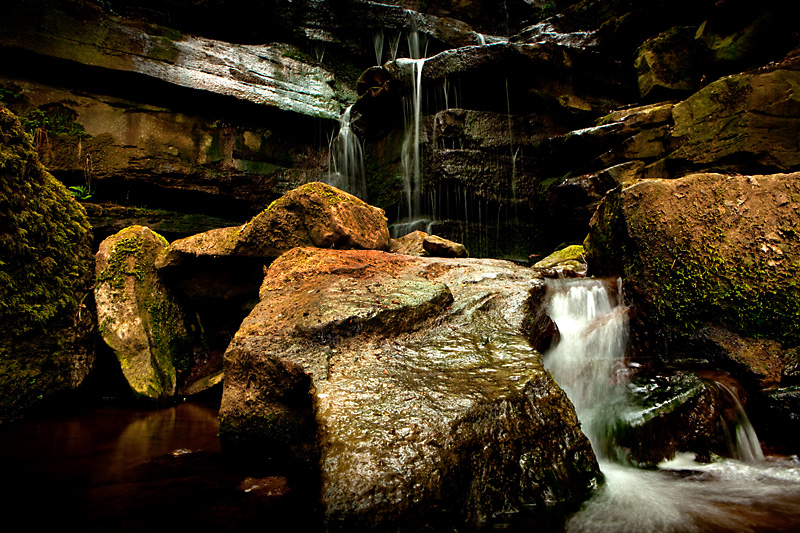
[{"x": 408, "y": 380}]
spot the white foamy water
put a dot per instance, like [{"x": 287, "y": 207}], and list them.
[{"x": 748, "y": 494}]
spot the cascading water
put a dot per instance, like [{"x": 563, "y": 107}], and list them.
[
  {"x": 346, "y": 159},
  {"x": 682, "y": 495},
  {"x": 411, "y": 151}
]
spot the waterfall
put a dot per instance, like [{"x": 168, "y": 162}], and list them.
[
  {"x": 411, "y": 165},
  {"x": 742, "y": 440},
  {"x": 346, "y": 159},
  {"x": 682, "y": 494},
  {"x": 378, "y": 43},
  {"x": 588, "y": 361}
]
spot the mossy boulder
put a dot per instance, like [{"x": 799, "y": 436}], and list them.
[
  {"x": 138, "y": 316},
  {"x": 706, "y": 249},
  {"x": 45, "y": 270},
  {"x": 315, "y": 214},
  {"x": 568, "y": 261}
]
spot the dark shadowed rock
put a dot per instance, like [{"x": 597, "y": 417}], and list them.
[
  {"x": 671, "y": 414},
  {"x": 753, "y": 118},
  {"x": 541, "y": 330},
  {"x": 670, "y": 64},
  {"x": 407, "y": 380},
  {"x": 758, "y": 362}
]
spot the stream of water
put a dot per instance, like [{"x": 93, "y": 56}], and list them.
[
  {"x": 752, "y": 493},
  {"x": 115, "y": 468}
]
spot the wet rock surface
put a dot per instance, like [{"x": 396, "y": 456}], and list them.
[{"x": 408, "y": 380}]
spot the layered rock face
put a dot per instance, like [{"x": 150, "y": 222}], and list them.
[
  {"x": 45, "y": 245},
  {"x": 408, "y": 381}
]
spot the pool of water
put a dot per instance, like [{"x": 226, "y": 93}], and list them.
[{"x": 119, "y": 468}]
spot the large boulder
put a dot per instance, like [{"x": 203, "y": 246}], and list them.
[
  {"x": 314, "y": 214},
  {"x": 407, "y": 381},
  {"x": 138, "y": 316},
  {"x": 45, "y": 268},
  {"x": 706, "y": 249}
]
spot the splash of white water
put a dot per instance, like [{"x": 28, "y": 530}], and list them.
[
  {"x": 346, "y": 159},
  {"x": 753, "y": 494}
]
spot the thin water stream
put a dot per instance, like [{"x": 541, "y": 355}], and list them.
[{"x": 751, "y": 493}]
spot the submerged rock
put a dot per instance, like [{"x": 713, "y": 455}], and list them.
[
  {"x": 407, "y": 380},
  {"x": 138, "y": 316},
  {"x": 45, "y": 246}
]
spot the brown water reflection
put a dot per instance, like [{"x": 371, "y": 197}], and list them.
[{"x": 113, "y": 468}]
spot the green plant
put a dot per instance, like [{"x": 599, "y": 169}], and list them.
[{"x": 80, "y": 192}]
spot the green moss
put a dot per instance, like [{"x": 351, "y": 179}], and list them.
[
  {"x": 45, "y": 269},
  {"x": 690, "y": 281},
  {"x": 45, "y": 244},
  {"x": 122, "y": 262}
]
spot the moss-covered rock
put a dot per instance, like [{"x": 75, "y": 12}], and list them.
[
  {"x": 748, "y": 120},
  {"x": 706, "y": 248},
  {"x": 138, "y": 316},
  {"x": 314, "y": 214},
  {"x": 45, "y": 267}
]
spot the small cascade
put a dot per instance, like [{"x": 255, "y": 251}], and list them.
[
  {"x": 412, "y": 174},
  {"x": 682, "y": 494},
  {"x": 346, "y": 159},
  {"x": 588, "y": 361},
  {"x": 378, "y": 43},
  {"x": 742, "y": 440},
  {"x": 411, "y": 151}
]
